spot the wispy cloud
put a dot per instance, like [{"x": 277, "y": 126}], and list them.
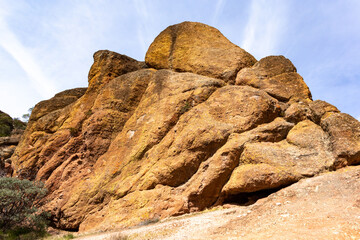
[
  {"x": 142, "y": 27},
  {"x": 23, "y": 56},
  {"x": 218, "y": 10},
  {"x": 264, "y": 27}
]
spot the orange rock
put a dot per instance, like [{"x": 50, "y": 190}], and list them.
[
  {"x": 344, "y": 132},
  {"x": 198, "y": 48},
  {"x": 277, "y": 76},
  {"x": 142, "y": 143}
]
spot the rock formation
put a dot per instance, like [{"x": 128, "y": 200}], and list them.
[
  {"x": 200, "y": 123},
  {"x": 10, "y": 134},
  {"x": 323, "y": 207}
]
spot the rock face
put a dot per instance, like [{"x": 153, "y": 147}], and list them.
[
  {"x": 277, "y": 76},
  {"x": 316, "y": 208},
  {"x": 324, "y": 207},
  {"x": 10, "y": 134},
  {"x": 198, "y": 48},
  {"x": 142, "y": 143}
]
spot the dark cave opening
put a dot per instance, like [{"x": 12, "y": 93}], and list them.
[{"x": 249, "y": 198}]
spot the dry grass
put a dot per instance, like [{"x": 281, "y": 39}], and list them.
[{"x": 118, "y": 236}]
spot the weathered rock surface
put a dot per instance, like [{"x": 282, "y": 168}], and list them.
[
  {"x": 277, "y": 76},
  {"x": 59, "y": 101},
  {"x": 344, "y": 132},
  {"x": 198, "y": 48},
  {"x": 11, "y": 131},
  {"x": 324, "y": 207},
  {"x": 142, "y": 143}
]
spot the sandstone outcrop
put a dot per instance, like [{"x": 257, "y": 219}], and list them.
[
  {"x": 324, "y": 207},
  {"x": 198, "y": 48},
  {"x": 315, "y": 208},
  {"x": 277, "y": 76},
  {"x": 175, "y": 135}
]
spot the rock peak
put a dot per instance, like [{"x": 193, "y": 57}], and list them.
[{"x": 198, "y": 48}]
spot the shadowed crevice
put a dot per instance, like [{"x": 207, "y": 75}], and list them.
[{"x": 246, "y": 199}]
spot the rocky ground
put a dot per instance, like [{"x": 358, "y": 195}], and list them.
[{"x": 324, "y": 207}]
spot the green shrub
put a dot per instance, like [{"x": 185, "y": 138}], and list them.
[
  {"x": 186, "y": 107},
  {"x": 23, "y": 234},
  {"x": 18, "y": 124},
  {"x": 6, "y": 124},
  {"x": 68, "y": 236},
  {"x": 19, "y": 203}
]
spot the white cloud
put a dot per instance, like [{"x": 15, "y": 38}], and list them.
[
  {"x": 144, "y": 24},
  {"x": 218, "y": 10},
  {"x": 264, "y": 27},
  {"x": 23, "y": 56}
]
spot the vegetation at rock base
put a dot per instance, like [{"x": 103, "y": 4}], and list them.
[
  {"x": 6, "y": 125},
  {"x": 68, "y": 236},
  {"x": 18, "y": 124},
  {"x": 20, "y": 216}
]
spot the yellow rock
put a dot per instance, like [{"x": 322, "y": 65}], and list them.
[{"x": 198, "y": 48}]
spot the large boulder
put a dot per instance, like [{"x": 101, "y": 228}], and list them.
[
  {"x": 198, "y": 48},
  {"x": 142, "y": 143},
  {"x": 267, "y": 165},
  {"x": 344, "y": 131}
]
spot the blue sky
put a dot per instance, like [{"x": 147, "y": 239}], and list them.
[{"x": 47, "y": 46}]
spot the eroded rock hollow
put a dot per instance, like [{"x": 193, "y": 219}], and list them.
[{"x": 200, "y": 123}]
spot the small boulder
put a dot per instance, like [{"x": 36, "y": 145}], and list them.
[
  {"x": 321, "y": 109},
  {"x": 344, "y": 131},
  {"x": 277, "y": 76},
  {"x": 299, "y": 111},
  {"x": 109, "y": 65},
  {"x": 267, "y": 67},
  {"x": 59, "y": 101}
]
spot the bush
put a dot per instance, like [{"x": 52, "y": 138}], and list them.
[
  {"x": 19, "y": 203},
  {"x": 68, "y": 236},
  {"x": 18, "y": 124},
  {"x": 6, "y": 125}
]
